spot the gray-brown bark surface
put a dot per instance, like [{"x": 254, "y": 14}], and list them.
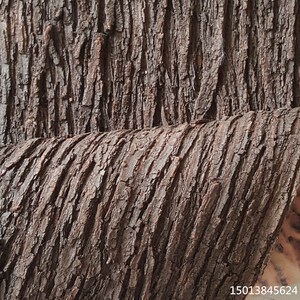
[
  {"x": 180, "y": 212},
  {"x": 70, "y": 67}
]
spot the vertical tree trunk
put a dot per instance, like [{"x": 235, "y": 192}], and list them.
[{"x": 78, "y": 66}]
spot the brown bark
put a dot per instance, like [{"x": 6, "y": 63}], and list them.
[
  {"x": 70, "y": 67},
  {"x": 157, "y": 213},
  {"x": 162, "y": 213}
]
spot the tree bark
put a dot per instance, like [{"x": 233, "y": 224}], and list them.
[
  {"x": 169, "y": 212},
  {"x": 161, "y": 213},
  {"x": 70, "y": 67}
]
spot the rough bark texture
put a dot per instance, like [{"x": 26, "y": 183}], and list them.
[
  {"x": 163, "y": 213},
  {"x": 71, "y": 67},
  {"x": 159, "y": 213}
]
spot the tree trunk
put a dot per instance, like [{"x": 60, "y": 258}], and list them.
[
  {"x": 71, "y": 67},
  {"x": 163, "y": 213},
  {"x": 143, "y": 213}
]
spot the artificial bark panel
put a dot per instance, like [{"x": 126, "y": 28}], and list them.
[
  {"x": 73, "y": 67},
  {"x": 160, "y": 213}
]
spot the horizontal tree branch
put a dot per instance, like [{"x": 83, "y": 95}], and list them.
[{"x": 183, "y": 212}]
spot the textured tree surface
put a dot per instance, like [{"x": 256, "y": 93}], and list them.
[
  {"x": 181, "y": 212},
  {"x": 71, "y": 67}
]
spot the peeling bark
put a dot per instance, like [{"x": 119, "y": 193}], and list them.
[
  {"x": 70, "y": 67},
  {"x": 161, "y": 213}
]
